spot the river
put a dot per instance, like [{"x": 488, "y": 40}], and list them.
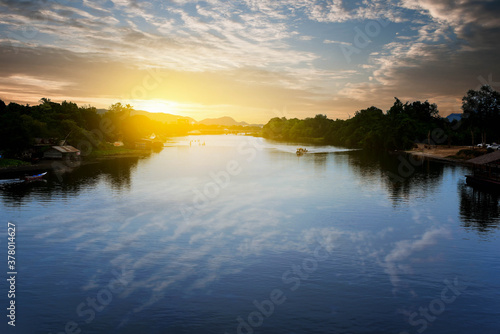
[{"x": 235, "y": 234}]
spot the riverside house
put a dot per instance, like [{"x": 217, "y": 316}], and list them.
[{"x": 59, "y": 152}]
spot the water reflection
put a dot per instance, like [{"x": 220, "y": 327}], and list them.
[
  {"x": 320, "y": 163},
  {"x": 116, "y": 173},
  {"x": 403, "y": 176},
  {"x": 203, "y": 270},
  {"x": 478, "y": 209}
]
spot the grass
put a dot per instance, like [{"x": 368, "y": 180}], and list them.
[
  {"x": 115, "y": 151},
  {"x": 12, "y": 163},
  {"x": 467, "y": 154}
]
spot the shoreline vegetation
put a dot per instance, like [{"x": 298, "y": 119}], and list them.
[
  {"x": 27, "y": 133},
  {"x": 116, "y": 152},
  {"x": 12, "y": 168},
  {"x": 410, "y": 127}
]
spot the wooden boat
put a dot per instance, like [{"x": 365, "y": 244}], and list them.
[
  {"x": 483, "y": 182},
  {"x": 35, "y": 177}
]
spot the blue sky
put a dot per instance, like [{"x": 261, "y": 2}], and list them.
[{"x": 249, "y": 59}]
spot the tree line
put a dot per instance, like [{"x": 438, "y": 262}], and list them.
[
  {"x": 398, "y": 128},
  {"x": 22, "y": 127}
]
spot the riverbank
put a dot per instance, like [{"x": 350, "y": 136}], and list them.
[
  {"x": 113, "y": 152},
  {"x": 452, "y": 154},
  {"x": 12, "y": 163},
  {"x": 19, "y": 170}
]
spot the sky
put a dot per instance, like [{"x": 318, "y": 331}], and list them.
[{"x": 249, "y": 59}]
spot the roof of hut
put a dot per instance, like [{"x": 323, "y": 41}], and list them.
[
  {"x": 486, "y": 158},
  {"x": 66, "y": 149}
]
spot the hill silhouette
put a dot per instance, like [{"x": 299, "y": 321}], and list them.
[
  {"x": 173, "y": 119},
  {"x": 162, "y": 117},
  {"x": 225, "y": 121}
]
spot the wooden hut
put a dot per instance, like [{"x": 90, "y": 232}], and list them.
[
  {"x": 59, "y": 152},
  {"x": 486, "y": 171}
]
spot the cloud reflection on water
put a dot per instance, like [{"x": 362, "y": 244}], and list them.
[
  {"x": 282, "y": 213},
  {"x": 211, "y": 247}
]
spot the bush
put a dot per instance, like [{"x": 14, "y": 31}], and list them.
[{"x": 469, "y": 154}]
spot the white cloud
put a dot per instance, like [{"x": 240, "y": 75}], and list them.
[
  {"x": 306, "y": 38},
  {"x": 22, "y": 80},
  {"x": 327, "y": 41},
  {"x": 261, "y": 34}
]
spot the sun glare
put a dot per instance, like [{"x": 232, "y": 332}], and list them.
[{"x": 156, "y": 106}]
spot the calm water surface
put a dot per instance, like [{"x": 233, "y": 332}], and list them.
[{"x": 242, "y": 236}]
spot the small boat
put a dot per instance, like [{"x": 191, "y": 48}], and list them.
[
  {"x": 34, "y": 177},
  {"x": 483, "y": 182},
  {"x": 301, "y": 151}
]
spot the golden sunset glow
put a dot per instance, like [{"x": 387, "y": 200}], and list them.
[
  {"x": 251, "y": 60},
  {"x": 156, "y": 106},
  {"x": 250, "y": 166}
]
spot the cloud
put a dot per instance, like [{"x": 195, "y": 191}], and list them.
[
  {"x": 446, "y": 58},
  {"x": 306, "y": 38},
  {"x": 398, "y": 260},
  {"x": 432, "y": 50},
  {"x": 459, "y": 14},
  {"x": 72, "y": 76},
  {"x": 327, "y": 41}
]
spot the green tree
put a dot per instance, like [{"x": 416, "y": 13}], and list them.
[
  {"x": 117, "y": 113},
  {"x": 274, "y": 128},
  {"x": 137, "y": 127},
  {"x": 482, "y": 110}
]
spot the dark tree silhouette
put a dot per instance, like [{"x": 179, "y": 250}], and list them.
[{"x": 482, "y": 108}]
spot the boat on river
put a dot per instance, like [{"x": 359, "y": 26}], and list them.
[
  {"x": 483, "y": 182},
  {"x": 301, "y": 151},
  {"x": 35, "y": 177}
]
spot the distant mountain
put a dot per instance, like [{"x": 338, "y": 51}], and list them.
[
  {"x": 169, "y": 118},
  {"x": 224, "y": 121},
  {"x": 155, "y": 116},
  {"x": 162, "y": 117},
  {"x": 453, "y": 117}
]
